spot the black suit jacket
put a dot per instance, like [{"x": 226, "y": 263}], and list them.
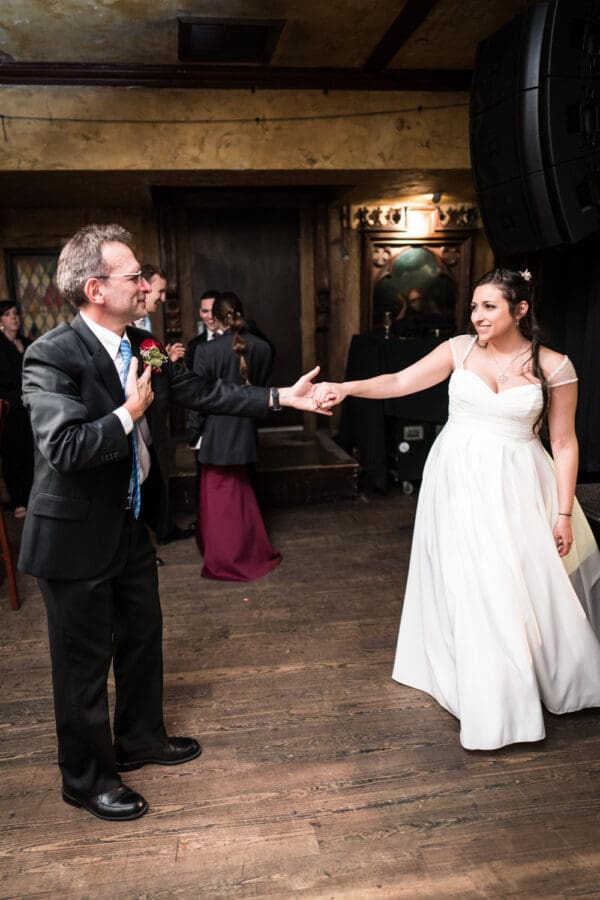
[
  {"x": 228, "y": 441},
  {"x": 195, "y": 342},
  {"x": 77, "y": 504}
]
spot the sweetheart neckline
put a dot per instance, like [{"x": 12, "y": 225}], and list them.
[{"x": 517, "y": 387}]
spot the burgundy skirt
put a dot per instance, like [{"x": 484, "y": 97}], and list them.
[{"x": 230, "y": 530}]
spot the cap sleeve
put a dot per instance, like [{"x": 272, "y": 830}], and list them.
[
  {"x": 564, "y": 373},
  {"x": 460, "y": 346}
]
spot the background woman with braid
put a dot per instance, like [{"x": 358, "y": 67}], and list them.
[
  {"x": 230, "y": 529},
  {"x": 501, "y": 611}
]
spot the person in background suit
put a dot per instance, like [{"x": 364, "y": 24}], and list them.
[
  {"x": 157, "y": 279},
  {"x": 230, "y": 529},
  {"x": 208, "y": 331},
  {"x": 16, "y": 447},
  {"x": 209, "y": 328},
  {"x": 161, "y": 519},
  {"x": 84, "y": 539}
]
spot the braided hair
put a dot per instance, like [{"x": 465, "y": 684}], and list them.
[
  {"x": 515, "y": 287},
  {"x": 228, "y": 309}
]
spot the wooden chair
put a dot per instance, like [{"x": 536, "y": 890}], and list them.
[{"x": 5, "y": 548}]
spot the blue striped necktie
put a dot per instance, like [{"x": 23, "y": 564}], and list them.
[{"x": 135, "y": 497}]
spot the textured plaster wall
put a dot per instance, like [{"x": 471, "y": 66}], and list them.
[
  {"x": 62, "y": 128},
  {"x": 292, "y": 135},
  {"x": 50, "y": 228}
]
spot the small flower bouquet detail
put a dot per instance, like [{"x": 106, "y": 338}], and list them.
[{"x": 153, "y": 355}]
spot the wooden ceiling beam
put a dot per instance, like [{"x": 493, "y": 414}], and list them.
[
  {"x": 406, "y": 23},
  {"x": 217, "y": 77}
]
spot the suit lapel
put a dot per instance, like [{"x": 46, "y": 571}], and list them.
[
  {"x": 134, "y": 337},
  {"x": 100, "y": 359}
]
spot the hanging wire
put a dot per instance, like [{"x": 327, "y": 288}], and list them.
[{"x": 255, "y": 120}]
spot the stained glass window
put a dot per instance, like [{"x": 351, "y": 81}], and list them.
[{"x": 32, "y": 277}]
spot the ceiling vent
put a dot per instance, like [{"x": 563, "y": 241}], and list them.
[{"x": 228, "y": 40}]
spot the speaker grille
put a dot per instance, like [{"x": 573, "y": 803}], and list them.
[{"x": 535, "y": 127}]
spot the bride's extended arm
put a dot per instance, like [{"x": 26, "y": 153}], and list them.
[{"x": 425, "y": 373}]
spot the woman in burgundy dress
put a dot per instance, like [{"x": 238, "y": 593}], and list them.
[{"x": 230, "y": 530}]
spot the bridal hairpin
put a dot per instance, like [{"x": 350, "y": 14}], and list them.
[{"x": 525, "y": 275}]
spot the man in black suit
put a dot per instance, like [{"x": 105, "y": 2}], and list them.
[
  {"x": 209, "y": 327},
  {"x": 84, "y": 539},
  {"x": 160, "y": 519}
]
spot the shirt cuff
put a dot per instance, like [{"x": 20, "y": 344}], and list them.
[{"x": 124, "y": 416}]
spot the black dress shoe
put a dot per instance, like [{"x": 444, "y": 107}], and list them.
[
  {"x": 176, "y": 534},
  {"x": 174, "y": 751},
  {"x": 159, "y": 562},
  {"x": 119, "y": 805}
]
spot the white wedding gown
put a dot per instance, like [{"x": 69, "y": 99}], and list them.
[{"x": 494, "y": 623}]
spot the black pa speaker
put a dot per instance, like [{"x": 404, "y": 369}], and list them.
[{"x": 535, "y": 127}]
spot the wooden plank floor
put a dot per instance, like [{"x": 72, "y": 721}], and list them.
[{"x": 320, "y": 777}]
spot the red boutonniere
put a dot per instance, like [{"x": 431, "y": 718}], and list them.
[{"x": 153, "y": 354}]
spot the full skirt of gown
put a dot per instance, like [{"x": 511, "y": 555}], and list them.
[
  {"x": 495, "y": 624},
  {"x": 230, "y": 531}
]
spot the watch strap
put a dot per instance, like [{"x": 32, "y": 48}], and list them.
[{"x": 275, "y": 398}]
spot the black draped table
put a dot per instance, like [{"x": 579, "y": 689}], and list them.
[{"x": 365, "y": 424}]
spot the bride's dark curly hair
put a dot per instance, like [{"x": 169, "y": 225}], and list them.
[{"x": 515, "y": 287}]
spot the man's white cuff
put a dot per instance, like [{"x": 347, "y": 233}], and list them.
[{"x": 124, "y": 416}]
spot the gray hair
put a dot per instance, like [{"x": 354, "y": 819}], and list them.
[{"x": 81, "y": 258}]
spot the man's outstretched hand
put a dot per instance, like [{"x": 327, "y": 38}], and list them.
[{"x": 299, "y": 395}]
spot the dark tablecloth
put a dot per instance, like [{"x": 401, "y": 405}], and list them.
[{"x": 363, "y": 422}]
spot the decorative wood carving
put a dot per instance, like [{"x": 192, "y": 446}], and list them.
[
  {"x": 457, "y": 217},
  {"x": 420, "y": 228},
  {"x": 381, "y": 256},
  {"x": 398, "y": 217},
  {"x": 451, "y": 256},
  {"x": 378, "y": 217}
]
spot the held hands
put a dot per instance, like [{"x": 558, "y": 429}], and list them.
[
  {"x": 138, "y": 391},
  {"x": 327, "y": 394},
  {"x": 299, "y": 395},
  {"x": 311, "y": 397}
]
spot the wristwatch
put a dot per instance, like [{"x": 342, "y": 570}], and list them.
[{"x": 275, "y": 398}]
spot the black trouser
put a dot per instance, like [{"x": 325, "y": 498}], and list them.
[{"x": 117, "y": 617}]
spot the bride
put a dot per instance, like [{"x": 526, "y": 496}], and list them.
[{"x": 501, "y": 611}]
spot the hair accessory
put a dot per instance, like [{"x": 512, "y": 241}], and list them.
[{"x": 525, "y": 275}]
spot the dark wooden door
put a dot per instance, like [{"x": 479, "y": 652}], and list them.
[{"x": 254, "y": 252}]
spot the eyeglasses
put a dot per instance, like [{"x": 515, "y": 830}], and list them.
[{"x": 130, "y": 276}]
